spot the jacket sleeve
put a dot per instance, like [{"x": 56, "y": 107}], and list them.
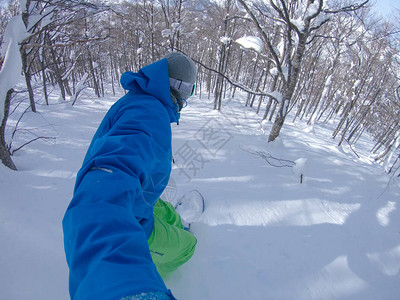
[{"x": 107, "y": 223}]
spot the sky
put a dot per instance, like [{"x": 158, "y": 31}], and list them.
[
  {"x": 387, "y": 8},
  {"x": 3, "y": 3}
]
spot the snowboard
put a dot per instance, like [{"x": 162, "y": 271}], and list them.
[{"x": 190, "y": 207}]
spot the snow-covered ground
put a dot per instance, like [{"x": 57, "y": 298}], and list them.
[{"x": 264, "y": 235}]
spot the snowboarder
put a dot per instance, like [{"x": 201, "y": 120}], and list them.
[{"x": 118, "y": 235}]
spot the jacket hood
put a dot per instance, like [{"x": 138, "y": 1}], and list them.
[{"x": 153, "y": 80}]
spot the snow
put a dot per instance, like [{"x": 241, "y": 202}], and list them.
[
  {"x": 383, "y": 213},
  {"x": 274, "y": 71},
  {"x": 175, "y": 26},
  {"x": 10, "y": 72},
  {"x": 356, "y": 84},
  {"x": 263, "y": 235},
  {"x": 300, "y": 166},
  {"x": 276, "y": 95},
  {"x": 312, "y": 9},
  {"x": 299, "y": 23},
  {"x": 225, "y": 40},
  {"x": 321, "y": 18},
  {"x": 285, "y": 72},
  {"x": 251, "y": 42},
  {"x": 280, "y": 49},
  {"x": 166, "y": 33}
]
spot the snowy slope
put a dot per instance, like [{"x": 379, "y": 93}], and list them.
[
  {"x": 263, "y": 234},
  {"x": 33, "y": 200}
]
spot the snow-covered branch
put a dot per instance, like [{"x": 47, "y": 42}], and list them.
[{"x": 266, "y": 38}]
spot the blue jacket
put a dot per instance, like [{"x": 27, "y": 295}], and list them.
[{"x": 126, "y": 168}]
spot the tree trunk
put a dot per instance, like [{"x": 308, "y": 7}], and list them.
[
  {"x": 262, "y": 97},
  {"x": 4, "y": 154},
  {"x": 27, "y": 75},
  {"x": 273, "y": 87},
  {"x": 92, "y": 73},
  {"x": 294, "y": 71},
  {"x": 43, "y": 67},
  {"x": 257, "y": 89},
  {"x": 24, "y": 58},
  {"x": 276, "y": 128},
  {"x": 238, "y": 70},
  {"x": 57, "y": 72}
]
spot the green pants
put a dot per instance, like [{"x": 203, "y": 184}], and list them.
[{"x": 170, "y": 244}]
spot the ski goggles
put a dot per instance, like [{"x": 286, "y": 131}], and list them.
[{"x": 182, "y": 86}]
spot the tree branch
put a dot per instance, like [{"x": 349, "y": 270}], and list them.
[
  {"x": 265, "y": 37},
  {"x": 272, "y": 161},
  {"x": 66, "y": 44},
  {"x": 349, "y": 8},
  {"x": 236, "y": 84},
  {"x": 320, "y": 3},
  {"x": 237, "y": 17},
  {"x": 54, "y": 25},
  {"x": 31, "y": 141}
]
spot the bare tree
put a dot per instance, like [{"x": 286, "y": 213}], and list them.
[
  {"x": 300, "y": 20},
  {"x": 345, "y": 71}
]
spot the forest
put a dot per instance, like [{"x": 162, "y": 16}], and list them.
[{"x": 313, "y": 60}]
